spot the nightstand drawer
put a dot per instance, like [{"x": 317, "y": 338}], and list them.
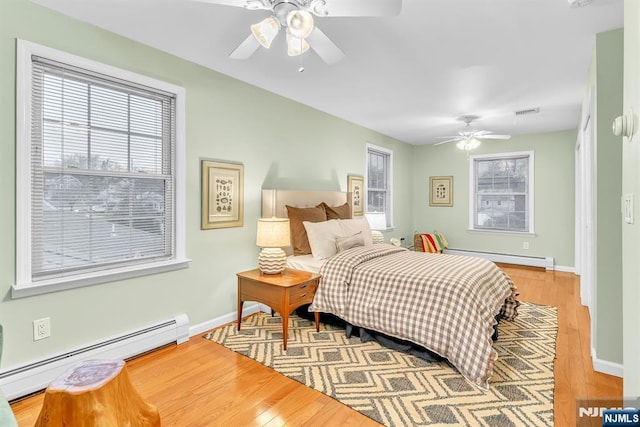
[{"x": 303, "y": 291}]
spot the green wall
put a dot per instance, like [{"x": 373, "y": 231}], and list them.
[
  {"x": 281, "y": 144},
  {"x": 554, "y": 196},
  {"x": 631, "y": 185},
  {"x": 608, "y": 183}
]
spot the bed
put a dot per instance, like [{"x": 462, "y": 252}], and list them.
[{"x": 446, "y": 303}]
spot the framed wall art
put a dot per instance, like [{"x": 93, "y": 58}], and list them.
[
  {"x": 440, "y": 191},
  {"x": 222, "y": 194},
  {"x": 355, "y": 185}
]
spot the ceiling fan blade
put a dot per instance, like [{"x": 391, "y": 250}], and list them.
[
  {"x": 245, "y": 4},
  {"x": 356, "y": 7},
  {"x": 246, "y": 48},
  {"x": 448, "y": 140},
  {"x": 237, "y": 3},
  {"x": 491, "y": 136},
  {"x": 324, "y": 47}
]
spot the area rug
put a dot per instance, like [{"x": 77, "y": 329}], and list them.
[{"x": 397, "y": 389}]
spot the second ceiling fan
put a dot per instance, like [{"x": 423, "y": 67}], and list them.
[
  {"x": 296, "y": 17},
  {"x": 469, "y": 138}
]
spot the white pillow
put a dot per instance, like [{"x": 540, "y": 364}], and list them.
[
  {"x": 348, "y": 242},
  {"x": 349, "y": 227},
  {"x": 322, "y": 237}
]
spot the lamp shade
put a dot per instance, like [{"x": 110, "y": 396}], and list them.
[
  {"x": 377, "y": 220},
  {"x": 296, "y": 46},
  {"x": 266, "y": 30},
  {"x": 300, "y": 23},
  {"x": 273, "y": 233}
]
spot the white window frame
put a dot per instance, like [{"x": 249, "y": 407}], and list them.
[
  {"x": 24, "y": 285},
  {"x": 473, "y": 198},
  {"x": 388, "y": 152}
]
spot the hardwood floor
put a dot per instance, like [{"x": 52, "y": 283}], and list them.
[{"x": 200, "y": 383}]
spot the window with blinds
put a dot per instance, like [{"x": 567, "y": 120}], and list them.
[
  {"x": 502, "y": 196},
  {"x": 379, "y": 181},
  {"x": 102, "y": 169}
]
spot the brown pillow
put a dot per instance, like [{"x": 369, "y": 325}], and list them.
[
  {"x": 300, "y": 241},
  {"x": 337, "y": 212}
]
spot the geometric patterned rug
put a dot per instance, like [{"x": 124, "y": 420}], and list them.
[{"x": 398, "y": 389}]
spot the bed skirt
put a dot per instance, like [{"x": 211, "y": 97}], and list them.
[{"x": 383, "y": 339}]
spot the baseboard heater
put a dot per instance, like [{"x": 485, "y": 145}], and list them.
[
  {"x": 544, "y": 262},
  {"x": 29, "y": 378}
]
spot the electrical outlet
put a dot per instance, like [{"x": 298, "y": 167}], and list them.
[
  {"x": 525, "y": 245},
  {"x": 41, "y": 328}
]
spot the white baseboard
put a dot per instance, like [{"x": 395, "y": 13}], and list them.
[
  {"x": 19, "y": 381},
  {"x": 247, "y": 310},
  {"x": 564, "y": 269},
  {"x": 544, "y": 262},
  {"x": 24, "y": 379},
  {"x": 606, "y": 367}
]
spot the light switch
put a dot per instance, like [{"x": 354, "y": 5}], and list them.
[{"x": 627, "y": 207}]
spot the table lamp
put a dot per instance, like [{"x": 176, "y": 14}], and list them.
[
  {"x": 377, "y": 222},
  {"x": 273, "y": 235}
]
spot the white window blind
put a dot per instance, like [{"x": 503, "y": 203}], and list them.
[{"x": 102, "y": 172}]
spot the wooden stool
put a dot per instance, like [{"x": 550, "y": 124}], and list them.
[{"x": 96, "y": 393}]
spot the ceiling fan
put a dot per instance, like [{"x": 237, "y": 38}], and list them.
[
  {"x": 468, "y": 138},
  {"x": 296, "y": 17}
]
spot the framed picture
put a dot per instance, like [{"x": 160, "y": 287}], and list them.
[
  {"x": 355, "y": 185},
  {"x": 222, "y": 194},
  {"x": 440, "y": 191}
]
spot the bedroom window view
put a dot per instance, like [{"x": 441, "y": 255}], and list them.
[
  {"x": 502, "y": 193},
  {"x": 378, "y": 181},
  {"x": 102, "y": 183}
]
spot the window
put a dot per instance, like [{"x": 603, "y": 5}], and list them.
[
  {"x": 502, "y": 192},
  {"x": 99, "y": 173},
  {"x": 379, "y": 161}
]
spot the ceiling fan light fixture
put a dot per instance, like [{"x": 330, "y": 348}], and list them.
[
  {"x": 300, "y": 23},
  {"x": 296, "y": 46},
  {"x": 468, "y": 144},
  {"x": 265, "y": 31}
]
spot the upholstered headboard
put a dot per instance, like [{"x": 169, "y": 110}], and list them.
[{"x": 274, "y": 202}]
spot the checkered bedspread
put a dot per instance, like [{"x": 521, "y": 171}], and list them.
[{"x": 446, "y": 303}]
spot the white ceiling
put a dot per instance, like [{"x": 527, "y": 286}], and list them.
[{"x": 409, "y": 76}]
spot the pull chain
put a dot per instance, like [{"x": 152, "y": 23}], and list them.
[{"x": 301, "y": 68}]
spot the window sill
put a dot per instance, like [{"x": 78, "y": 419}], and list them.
[
  {"x": 501, "y": 232},
  {"x": 54, "y": 285}
]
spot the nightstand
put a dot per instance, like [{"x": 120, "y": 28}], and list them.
[{"x": 282, "y": 292}]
